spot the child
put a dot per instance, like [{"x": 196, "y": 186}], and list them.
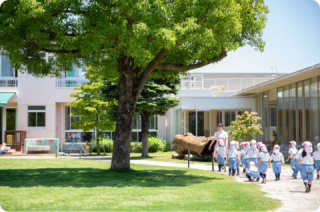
[
  {"x": 296, "y": 163},
  {"x": 252, "y": 172},
  {"x": 242, "y": 155},
  {"x": 307, "y": 169},
  {"x": 264, "y": 163},
  {"x": 292, "y": 151},
  {"x": 221, "y": 151},
  {"x": 259, "y": 145},
  {"x": 252, "y": 152},
  {"x": 246, "y": 157},
  {"x": 278, "y": 160},
  {"x": 238, "y": 161},
  {"x": 3, "y": 148},
  {"x": 316, "y": 156},
  {"x": 232, "y": 158}
]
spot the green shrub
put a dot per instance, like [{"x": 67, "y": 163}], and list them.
[
  {"x": 155, "y": 144},
  {"x": 108, "y": 145},
  {"x": 131, "y": 147}
]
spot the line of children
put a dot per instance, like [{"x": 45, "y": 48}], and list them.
[
  {"x": 232, "y": 158},
  {"x": 307, "y": 161},
  {"x": 278, "y": 160},
  {"x": 316, "y": 156},
  {"x": 220, "y": 158},
  {"x": 264, "y": 163},
  {"x": 292, "y": 151}
]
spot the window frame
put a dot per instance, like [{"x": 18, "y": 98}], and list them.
[
  {"x": 37, "y": 111},
  {"x": 14, "y": 73}
]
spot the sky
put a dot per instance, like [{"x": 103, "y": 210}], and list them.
[{"x": 292, "y": 37}]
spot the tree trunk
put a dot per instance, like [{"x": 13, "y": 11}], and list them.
[
  {"x": 125, "y": 113},
  {"x": 98, "y": 145},
  {"x": 145, "y": 133}
]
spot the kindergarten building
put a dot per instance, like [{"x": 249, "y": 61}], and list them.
[{"x": 288, "y": 104}]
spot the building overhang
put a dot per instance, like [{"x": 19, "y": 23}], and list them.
[
  {"x": 297, "y": 76},
  {"x": 5, "y": 97}
]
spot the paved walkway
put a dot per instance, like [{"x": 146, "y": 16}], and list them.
[{"x": 289, "y": 191}]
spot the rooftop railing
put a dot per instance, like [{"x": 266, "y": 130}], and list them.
[
  {"x": 228, "y": 84},
  {"x": 8, "y": 82},
  {"x": 70, "y": 83}
]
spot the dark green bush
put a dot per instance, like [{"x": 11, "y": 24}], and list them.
[{"x": 155, "y": 144}]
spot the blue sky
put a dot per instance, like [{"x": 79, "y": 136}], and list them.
[{"x": 292, "y": 39}]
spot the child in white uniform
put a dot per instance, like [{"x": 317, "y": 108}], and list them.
[
  {"x": 253, "y": 152},
  {"x": 264, "y": 163},
  {"x": 316, "y": 156},
  {"x": 307, "y": 169},
  {"x": 252, "y": 172},
  {"x": 292, "y": 151},
  {"x": 246, "y": 157},
  {"x": 3, "y": 148},
  {"x": 238, "y": 161},
  {"x": 259, "y": 145},
  {"x": 232, "y": 158},
  {"x": 220, "y": 158},
  {"x": 278, "y": 160},
  {"x": 242, "y": 155}
]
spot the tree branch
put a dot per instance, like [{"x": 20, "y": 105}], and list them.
[
  {"x": 129, "y": 19},
  {"x": 174, "y": 67}
]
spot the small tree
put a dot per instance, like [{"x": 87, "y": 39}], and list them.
[
  {"x": 155, "y": 99},
  {"x": 245, "y": 126},
  {"x": 92, "y": 109}
]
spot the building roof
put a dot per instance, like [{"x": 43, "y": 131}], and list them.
[{"x": 297, "y": 76}]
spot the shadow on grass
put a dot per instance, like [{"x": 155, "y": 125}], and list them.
[{"x": 94, "y": 177}]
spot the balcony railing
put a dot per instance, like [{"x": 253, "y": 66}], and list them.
[
  {"x": 8, "y": 82},
  {"x": 70, "y": 83},
  {"x": 227, "y": 84}
]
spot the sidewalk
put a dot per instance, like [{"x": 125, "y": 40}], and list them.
[{"x": 290, "y": 192}]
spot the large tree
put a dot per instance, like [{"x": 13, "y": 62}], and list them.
[
  {"x": 129, "y": 39},
  {"x": 155, "y": 99}
]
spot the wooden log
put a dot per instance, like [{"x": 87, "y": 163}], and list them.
[
  {"x": 196, "y": 145},
  {"x": 177, "y": 156}
]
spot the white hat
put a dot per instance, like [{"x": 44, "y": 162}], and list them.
[
  {"x": 221, "y": 142},
  {"x": 307, "y": 146},
  {"x": 259, "y": 144},
  {"x": 253, "y": 144},
  {"x": 251, "y": 165},
  {"x": 276, "y": 149},
  {"x": 293, "y": 144},
  {"x": 232, "y": 145},
  {"x": 247, "y": 145},
  {"x": 318, "y": 147},
  {"x": 264, "y": 148},
  {"x": 237, "y": 145}
]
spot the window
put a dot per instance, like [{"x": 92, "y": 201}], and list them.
[
  {"x": 229, "y": 116},
  {"x": 5, "y": 67},
  {"x": 36, "y": 116},
  {"x": 70, "y": 119},
  {"x": 273, "y": 116}
]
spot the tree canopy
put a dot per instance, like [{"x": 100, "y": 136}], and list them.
[{"x": 129, "y": 39}]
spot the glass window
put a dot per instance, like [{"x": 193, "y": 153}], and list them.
[
  {"x": 11, "y": 119},
  {"x": 299, "y": 111},
  {"x": 229, "y": 116},
  {"x": 273, "y": 116},
  {"x": 151, "y": 122},
  {"x": 306, "y": 111},
  {"x": 292, "y": 118},
  {"x": 36, "y": 116},
  {"x": 286, "y": 105},
  {"x": 314, "y": 122},
  {"x": 69, "y": 120},
  {"x": 74, "y": 72},
  {"x": 203, "y": 123},
  {"x": 134, "y": 137},
  {"x": 180, "y": 122},
  {"x": 280, "y": 114},
  {"x": 191, "y": 121},
  {"x": 6, "y": 69}
]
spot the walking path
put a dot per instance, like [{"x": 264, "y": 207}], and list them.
[{"x": 289, "y": 191}]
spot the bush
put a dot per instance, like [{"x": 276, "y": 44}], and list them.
[
  {"x": 155, "y": 144},
  {"x": 108, "y": 145},
  {"x": 131, "y": 147}
]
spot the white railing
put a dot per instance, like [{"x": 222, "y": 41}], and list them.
[
  {"x": 8, "y": 82},
  {"x": 70, "y": 83},
  {"x": 228, "y": 84}
]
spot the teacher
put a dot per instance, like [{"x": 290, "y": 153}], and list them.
[{"x": 220, "y": 135}]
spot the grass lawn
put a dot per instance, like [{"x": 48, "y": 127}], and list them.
[{"x": 83, "y": 185}]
